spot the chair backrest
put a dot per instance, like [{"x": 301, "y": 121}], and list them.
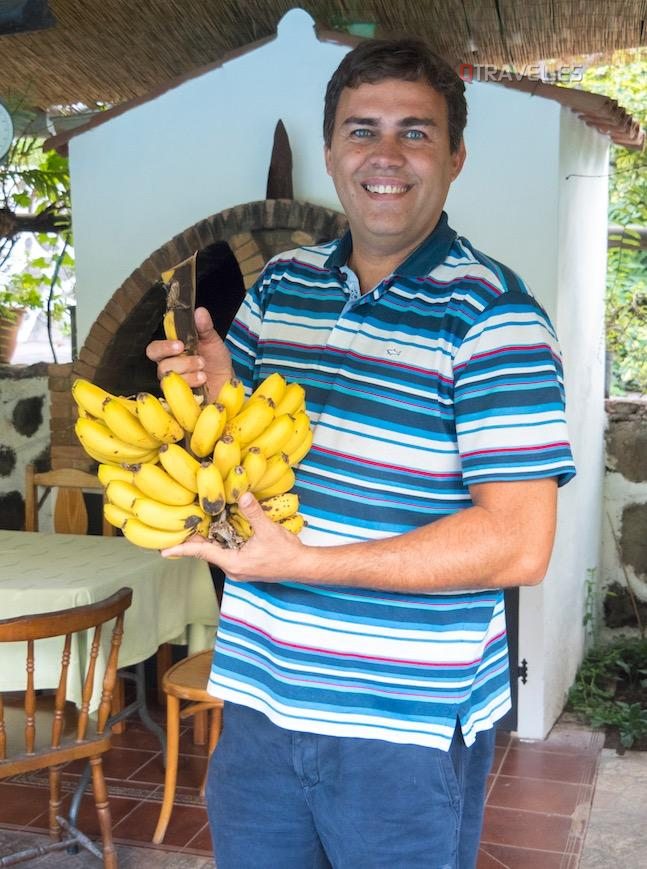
[
  {"x": 64, "y": 623},
  {"x": 70, "y": 513}
]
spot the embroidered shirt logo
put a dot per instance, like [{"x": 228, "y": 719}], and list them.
[{"x": 393, "y": 351}]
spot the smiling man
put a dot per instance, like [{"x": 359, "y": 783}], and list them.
[{"x": 364, "y": 664}]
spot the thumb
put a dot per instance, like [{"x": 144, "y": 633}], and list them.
[
  {"x": 204, "y": 326},
  {"x": 252, "y": 510}
]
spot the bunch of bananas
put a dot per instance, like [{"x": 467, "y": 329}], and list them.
[{"x": 177, "y": 465}]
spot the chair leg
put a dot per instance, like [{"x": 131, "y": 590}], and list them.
[
  {"x": 172, "y": 754},
  {"x": 54, "y": 802},
  {"x": 215, "y": 726},
  {"x": 200, "y": 728},
  {"x": 103, "y": 812}
]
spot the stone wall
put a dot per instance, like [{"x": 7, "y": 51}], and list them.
[
  {"x": 623, "y": 582},
  {"x": 24, "y": 434}
]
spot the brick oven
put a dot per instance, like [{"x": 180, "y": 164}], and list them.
[{"x": 234, "y": 245}]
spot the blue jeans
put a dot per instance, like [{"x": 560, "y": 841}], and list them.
[{"x": 280, "y": 799}]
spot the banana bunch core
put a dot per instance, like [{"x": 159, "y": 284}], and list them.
[{"x": 175, "y": 465}]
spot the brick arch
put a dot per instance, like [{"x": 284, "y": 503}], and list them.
[{"x": 255, "y": 231}]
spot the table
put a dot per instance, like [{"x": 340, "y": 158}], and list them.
[{"x": 40, "y": 572}]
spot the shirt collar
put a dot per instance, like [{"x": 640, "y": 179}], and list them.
[{"x": 429, "y": 253}]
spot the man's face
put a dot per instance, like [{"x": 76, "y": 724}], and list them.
[{"x": 391, "y": 164}]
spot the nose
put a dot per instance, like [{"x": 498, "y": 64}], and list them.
[{"x": 386, "y": 152}]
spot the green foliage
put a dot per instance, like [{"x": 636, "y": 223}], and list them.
[
  {"x": 593, "y": 695},
  {"x": 624, "y": 79}
]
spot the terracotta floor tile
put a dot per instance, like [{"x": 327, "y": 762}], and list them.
[
  {"x": 500, "y": 856},
  {"x": 190, "y": 771},
  {"x": 87, "y": 820},
  {"x": 21, "y": 804},
  {"x": 577, "y": 741},
  {"x": 137, "y": 737},
  {"x": 503, "y": 737},
  {"x": 202, "y": 841},
  {"x": 526, "y": 829},
  {"x": 139, "y": 825},
  {"x": 499, "y": 754},
  {"x": 118, "y": 763},
  {"x": 539, "y": 795},
  {"x": 574, "y": 768}
]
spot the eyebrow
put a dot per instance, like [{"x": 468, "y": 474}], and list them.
[{"x": 411, "y": 121}]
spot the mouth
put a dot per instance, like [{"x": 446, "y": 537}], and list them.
[{"x": 387, "y": 189}]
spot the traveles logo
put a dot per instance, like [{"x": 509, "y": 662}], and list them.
[{"x": 534, "y": 71}]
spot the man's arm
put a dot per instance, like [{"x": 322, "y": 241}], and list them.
[{"x": 504, "y": 539}]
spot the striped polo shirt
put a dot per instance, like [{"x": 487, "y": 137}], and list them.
[{"x": 447, "y": 373}]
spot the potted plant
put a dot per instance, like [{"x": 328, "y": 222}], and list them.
[{"x": 15, "y": 299}]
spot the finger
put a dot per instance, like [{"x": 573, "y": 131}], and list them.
[
  {"x": 158, "y": 350},
  {"x": 187, "y": 366},
  {"x": 196, "y": 547},
  {"x": 204, "y": 325}
]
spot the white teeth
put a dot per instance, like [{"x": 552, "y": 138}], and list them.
[{"x": 385, "y": 188}]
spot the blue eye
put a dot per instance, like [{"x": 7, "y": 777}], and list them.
[
  {"x": 414, "y": 134},
  {"x": 362, "y": 133}
]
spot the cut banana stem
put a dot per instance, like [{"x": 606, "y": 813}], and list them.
[
  {"x": 180, "y": 464},
  {"x": 107, "y": 473},
  {"x": 153, "y": 538},
  {"x": 157, "y": 421},
  {"x": 181, "y": 400},
  {"x": 125, "y": 425},
  {"x": 122, "y": 494},
  {"x": 236, "y": 484},
  {"x": 211, "y": 489},
  {"x": 292, "y": 400},
  {"x": 157, "y": 484},
  {"x": 208, "y": 428},
  {"x": 280, "y": 507},
  {"x": 167, "y": 516},
  {"x": 226, "y": 454},
  {"x": 232, "y": 396}
]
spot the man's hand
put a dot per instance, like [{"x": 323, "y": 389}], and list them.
[
  {"x": 212, "y": 364},
  {"x": 272, "y": 554}
]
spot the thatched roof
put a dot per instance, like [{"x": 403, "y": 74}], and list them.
[{"x": 116, "y": 50}]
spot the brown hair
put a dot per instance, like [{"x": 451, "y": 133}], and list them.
[{"x": 407, "y": 59}]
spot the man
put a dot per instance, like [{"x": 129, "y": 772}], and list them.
[{"x": 364, "y": 665}]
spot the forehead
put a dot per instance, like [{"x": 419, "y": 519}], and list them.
[{"x": 391, "y": 99}]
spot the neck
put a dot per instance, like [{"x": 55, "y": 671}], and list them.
[{"x": 371, "y": 267}]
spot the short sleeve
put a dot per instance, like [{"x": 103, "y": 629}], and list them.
[{"x": 509, "y": 399}]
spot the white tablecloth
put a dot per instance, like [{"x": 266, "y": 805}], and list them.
[{"x": 46, "y": 572}]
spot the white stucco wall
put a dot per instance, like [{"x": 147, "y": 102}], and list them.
[{"x": 144, "y": 176}]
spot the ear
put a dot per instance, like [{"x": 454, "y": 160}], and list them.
[
  {"x": 458, "y": 158},
  {"x": 328, "y": 159}
]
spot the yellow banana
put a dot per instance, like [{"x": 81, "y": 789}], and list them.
[
  {"x": 211, "y": 489},
  {"x": 294, "y": 523},
  {"x": 153, "y": 538},
  {"x": 236, "y": 484},
  {"x": 181, "y": 400},
  {"x": 89, "y": 397},
  {"x": 157, "y": 421},
  {"x": 273, "y": 387},
  {"x": 253, "y": 419},
  {"x": 232, "y": 396},
  {"x": 280, "y": 506},
  {"x": 276, "y": 466},
  {"x": 96, "y": 436},
  {"x": 301, "y": 450},
  {"x": 208, "y": 428},
  {"x": 255, "y": 464},
  {"x": 167, "y": 516},
  {"x": 226, "y": 454},
  {"x": 129, "y": 403},
  {"x": 116, "y": 515},
  {"x": 292, "y": 400},
  {"x": 275, "y": 436},
  {"x": 299, "y": 429},
  {"x": 160, "y": 486},
  {"x": 240, "y": 523},
  {"x": 170, "y": 331},
  {"x": 122, "y": 494},
  {"x": 180, "y": 464},
  {"x": 125, "y": 425},
  {"x": 283, "y": 484},
  {"x": 106, "y": 473}
]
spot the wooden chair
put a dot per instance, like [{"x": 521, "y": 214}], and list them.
[
  {"x": 87, "y": 740},
  {"x": 186, "y": 680},
  {"x": 70, "y": 513}
]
